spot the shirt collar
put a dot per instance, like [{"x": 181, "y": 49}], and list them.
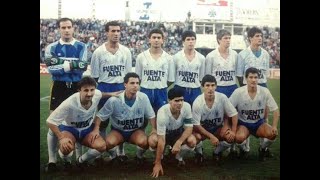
[{"x": 63, "y": 43}]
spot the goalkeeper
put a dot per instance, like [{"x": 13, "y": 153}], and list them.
[{"x": 66, "y": 60}]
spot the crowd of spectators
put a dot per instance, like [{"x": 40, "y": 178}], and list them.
[{"x": 134, "y": 36}]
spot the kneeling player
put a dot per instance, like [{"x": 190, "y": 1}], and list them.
[
  {"x": 208, "y": 112},
  {"x": 251, "y": 102},
  {"x": 127, "y": 114},
  {"x": 72, "y": 121},
  {"x": 174, "y": 128}
]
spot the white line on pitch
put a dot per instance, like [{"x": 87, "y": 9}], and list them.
[{"x": 44, "y": 98}]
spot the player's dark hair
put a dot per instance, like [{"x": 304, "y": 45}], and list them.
[
  {"x": 111, "y": 23},
  {"x": 63, "y": 20},
  {"x": 221, "y": 33},
  {"x": 251, "y": 70},
  {"x": 157, "y": 31},
  {"x": 86, "y": 81},
  {"x": 208, "y": 78},
  {"x": 254, "y": 30},
  {"x": 188, "y": 33},
  {"x": 130, "y": 75},
  {"x": 175, "y": 92}
]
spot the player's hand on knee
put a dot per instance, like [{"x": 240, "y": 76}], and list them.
[
  {"x": 214, "y": 141},
  {"x": 230, "y": 135},
  {"x": 274, "y": 131},
  {"x": 93, "y": 136},
  {"x": 66, "y": 144}
]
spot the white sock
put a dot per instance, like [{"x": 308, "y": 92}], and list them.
[
  {"x": 90, "y": 154},
  {"x": 248, "y": 144},
  {"x": 78, "y": 149},
  {"x": 243, "y": 145},
  {"x": 65, "y": 158},
  {"x": 184, "y": 150},
  {"x": 113, "y": 152},
  {"x": 52, "y": 142},
  {"x": 120, "y": 150},
  {"x": 198, "y": 148},
  {"x": 261, "y": 141},
  {"x": 140, "y": 152},
  {"x": 266, "y": 143},
  {"x": 223, "y": 145},
  {"x": 233, "y": 147}
]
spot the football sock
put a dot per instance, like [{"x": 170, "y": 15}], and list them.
[
  {"x": 140, "y": 152},
  {"x": 65, "y": 158},
  {"x": 113, "y": 152},
  {"x": 90, "y": 154},
  {"x": 120, "y": 150},
  {"x": 52, "y": 141},
  {"x": 184, "y": 150},
  {"x": 248, "y": 144},
  {"x": 243, "y": 145},
  {"x": 78, "y": 149},
  {"x": 266, "y": 143},
  {"x": 198, "y": 148},
  {"x": 223, "y": 145}
]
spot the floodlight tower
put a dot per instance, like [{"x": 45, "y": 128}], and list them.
[
  {"x": 59, "y": 8},
  {"x": 93, "y": 10}
]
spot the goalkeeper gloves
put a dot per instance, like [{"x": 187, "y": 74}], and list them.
[
  {"x": 53, "y": 61},
  {"x": 78, "y": 65}
]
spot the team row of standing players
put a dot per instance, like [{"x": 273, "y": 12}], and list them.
[{"x": 157, "y": 70}]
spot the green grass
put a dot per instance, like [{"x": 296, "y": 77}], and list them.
[{"x": 236, "y": 169}]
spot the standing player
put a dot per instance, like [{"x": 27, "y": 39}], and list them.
[
  {"x": 209, "y": 110},
  {"x": 174, "y": 128},
  {"x": 128, "y": 114},
  {"x": 254, "y": 56},
  {"x": 251, "y": 102},
  {"x": 72, "y": 121},
  {"x": 221, "y": 63},
  {"x": 156, "y": 69},
  {"x": 109, "y": 64},
  {"x": 66, "y": 60},
  {"x": 189, "y": 68}
]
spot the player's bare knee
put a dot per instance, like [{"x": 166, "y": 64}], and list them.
[
  {"x": 101, "y": 148},
  {"x": 143, "y": 143},
  {"x": 153, "y": 141},
  {"x": 272, "y": 137},
  {"x": 240, "y": 138},
  {"x": 197, "y": 136},
  {"x": 110, "y": 144},
  {"x": 191, "y": 141}
]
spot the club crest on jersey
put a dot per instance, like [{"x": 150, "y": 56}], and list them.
[
  {"x": 122, "y": 61},
  {"x": 216, "y": 113},
  {"x": 259, "y": 103},
  {"x": 139, "y": 111}
]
